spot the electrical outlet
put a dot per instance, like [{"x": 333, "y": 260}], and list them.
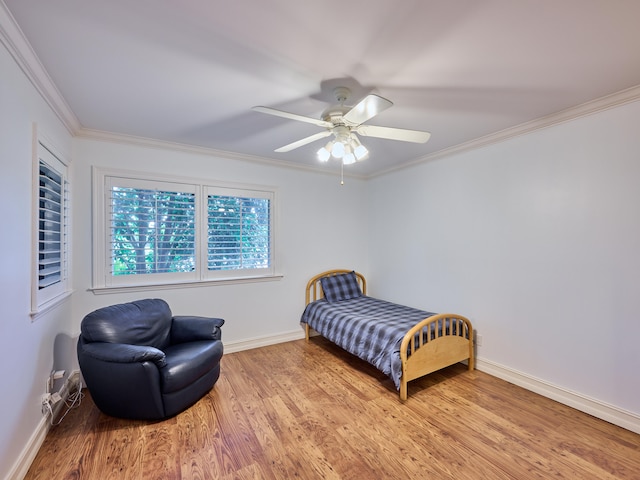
[
  {"x": 45, "y": 404},
  {"x": 478, "y": 340},
  {"x": 51, "y": 381}
]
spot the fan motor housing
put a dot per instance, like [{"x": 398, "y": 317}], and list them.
[{"x": 334, "y": 114}]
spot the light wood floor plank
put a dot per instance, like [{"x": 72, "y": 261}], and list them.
[
  {"x": 311, "y": 410},
  {"x": 615, "y": 450}
]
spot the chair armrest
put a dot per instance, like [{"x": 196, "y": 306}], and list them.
[
  {"x": 192, "y": 328},
  {"x": 124, "y": 353}
]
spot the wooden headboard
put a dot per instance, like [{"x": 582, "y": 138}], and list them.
[{"x": 314, "y": 287}]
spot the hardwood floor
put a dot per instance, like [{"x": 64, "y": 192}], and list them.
[{"x": 312, "y": 411}]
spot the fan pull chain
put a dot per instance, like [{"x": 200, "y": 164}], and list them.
[{"x": 341, "y": 173}]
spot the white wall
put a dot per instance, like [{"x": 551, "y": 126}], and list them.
[
  {"x": 28, "y": 350},
  {"x": 320, "y": 225},
  {"x": 536, "y": 239}
]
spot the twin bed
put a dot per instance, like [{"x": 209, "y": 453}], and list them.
[{"x": 402, "y": 342}]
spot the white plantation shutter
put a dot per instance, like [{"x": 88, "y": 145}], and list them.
[
  {"x": 51, "y": 230},
  {"x": 150, "y": 234},
  {"x": 152, "y": 230},
  {"x": 239, "y": 233},
  {"x": 50, "y": 226}
]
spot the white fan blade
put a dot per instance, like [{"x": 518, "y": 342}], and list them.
[
  {"x": 401, "y": 134},
  {"x": 293, "y": 116},
  {"x": 304, "y": 141},
  {"x": 367, "y": 108}
]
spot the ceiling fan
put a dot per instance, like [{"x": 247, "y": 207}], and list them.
[{"x": 344, "y": 123}]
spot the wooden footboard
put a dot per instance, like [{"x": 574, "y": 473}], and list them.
[{"x": 434, "y": 343}]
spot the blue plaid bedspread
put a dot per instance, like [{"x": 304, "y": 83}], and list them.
[{"x": 367, "y": 327}]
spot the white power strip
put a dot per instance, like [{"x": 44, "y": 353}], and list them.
[{"x": 53, "y": 403}]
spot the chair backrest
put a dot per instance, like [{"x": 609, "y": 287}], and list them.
[{"x": 143, "y": 322}]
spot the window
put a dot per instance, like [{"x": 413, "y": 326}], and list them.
[
  {"x": 153, "y": 231},
  {"x": 51, "y": 230},
  {"x": 238, "y": 232}
]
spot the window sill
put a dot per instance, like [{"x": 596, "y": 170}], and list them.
[
  {"x": 177, "y": 285},
  {"x": 50, "y": 305}
]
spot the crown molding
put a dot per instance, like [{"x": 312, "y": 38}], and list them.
[
  {"x": 20, "y": 49},
  {"x": 111, "y": 137},
  {"x": 613, "y": 100},
  {"x": 16, "y": 43}
]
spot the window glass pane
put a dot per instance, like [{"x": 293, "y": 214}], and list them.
[
  {"x": 238, "y": 233},
  {"x": 152, "y": 231}
]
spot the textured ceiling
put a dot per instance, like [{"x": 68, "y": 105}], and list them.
[{"x": 190, "y": 71}]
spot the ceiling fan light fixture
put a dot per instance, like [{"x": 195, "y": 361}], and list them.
[
  {"x": 338, "y": 150},
  {"x": 348, "y": 159},
  {"x": 345, "y": 124},
  {"x": 324, "y": 154},
  {"x": 361, "y": 152}
]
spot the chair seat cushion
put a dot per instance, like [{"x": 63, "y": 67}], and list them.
[{"x": 187, "y": 362}]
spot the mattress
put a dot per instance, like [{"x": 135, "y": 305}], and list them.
[{"x": 367, "y": 327}]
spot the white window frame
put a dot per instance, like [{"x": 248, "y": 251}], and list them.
[
  {"x": 47, "y": 297},
  {"x": 144, "y": 279},
  {"x": 247, "y": 192},
  {"x": 103, "y": 281}
]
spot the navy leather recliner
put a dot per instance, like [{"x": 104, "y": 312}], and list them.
[{"x": 141, "y": 362}]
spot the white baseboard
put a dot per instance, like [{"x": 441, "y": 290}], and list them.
[
  {"x": 263, "y": 341},
  {"x": 597, "y": 408},
  {"x": 22, "y": 464},
  {"x": 24, "y": 461}
]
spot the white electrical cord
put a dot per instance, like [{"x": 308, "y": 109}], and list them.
[{"x": 73, "y": 401}]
